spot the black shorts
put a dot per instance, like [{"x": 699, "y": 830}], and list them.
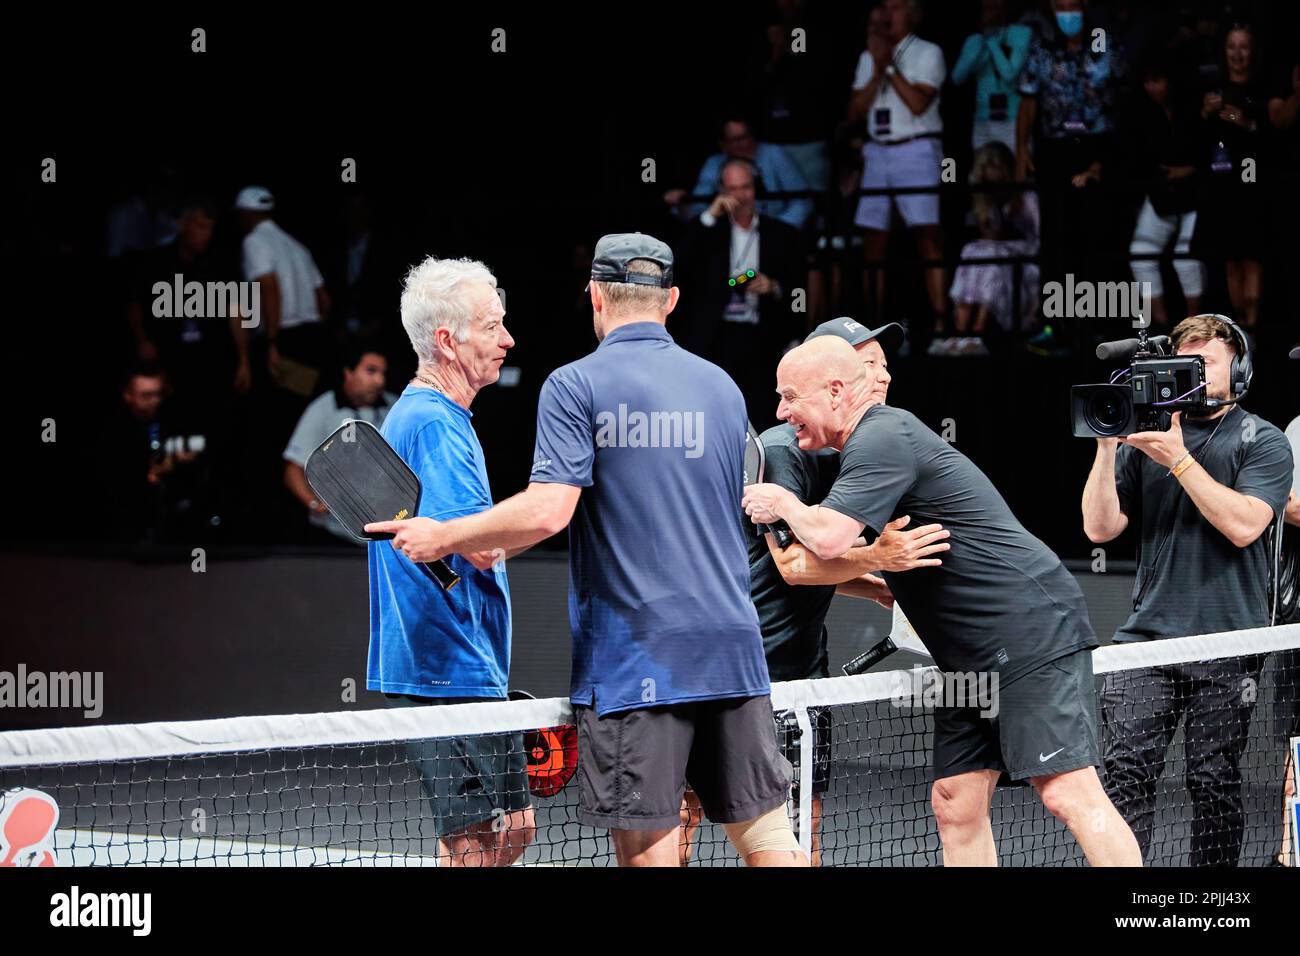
[
  {"x": 1045, "y": 723},
  {"x": 468, "y": 780},
  {"x": 820, "y": 717},
  {"x": 634, "y": 766}
]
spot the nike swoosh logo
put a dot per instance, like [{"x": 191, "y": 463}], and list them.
[{"x": 1044, "y": 759}]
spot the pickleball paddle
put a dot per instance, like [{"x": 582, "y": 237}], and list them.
[
  {"x": 755, "y": 464},
  {"x": 362, "y": 479}
]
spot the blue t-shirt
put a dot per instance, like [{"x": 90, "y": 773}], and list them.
[
  {"x": 659, "y": 574},
  {"x": 424, "y": 640}
]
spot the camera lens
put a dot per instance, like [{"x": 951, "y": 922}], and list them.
[{"x": 1106, "y": 414}]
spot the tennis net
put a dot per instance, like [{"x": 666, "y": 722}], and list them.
[{"x": 1195, "y": 729}]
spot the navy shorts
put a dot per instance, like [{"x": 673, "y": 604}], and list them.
[
  {"x": 634, "y": 765},
  {"x": 468, "y": 780}
]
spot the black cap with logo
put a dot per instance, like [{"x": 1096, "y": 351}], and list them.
[{"x": 891, "y": 334}]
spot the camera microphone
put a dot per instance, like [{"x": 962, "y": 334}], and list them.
[{"x": 1124, "y": 349}]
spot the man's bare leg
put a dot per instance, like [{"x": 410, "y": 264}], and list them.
[
  {"x": 647, "y": 847},
  {"x": 961, "y": 809},
  {"x": 692, "y": 814},
  {"x": 1078, "y": 800},
  {"x": 490, "y": 843},
  {"x": 816, "y": 830}
]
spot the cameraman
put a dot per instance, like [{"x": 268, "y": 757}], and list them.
[{"x": 1204, "y": 492}]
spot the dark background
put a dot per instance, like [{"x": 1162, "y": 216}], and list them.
[{"x": 512, "y": 158}]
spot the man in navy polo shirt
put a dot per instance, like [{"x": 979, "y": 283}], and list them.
[
  {"x": 429, "y": 646},
  {"x": 641, "y": 444}
]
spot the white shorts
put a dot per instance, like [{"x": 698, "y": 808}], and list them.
[{"x": 914, "y": 163}]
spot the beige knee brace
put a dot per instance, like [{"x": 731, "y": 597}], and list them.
[{"x": 771, "y": 831}]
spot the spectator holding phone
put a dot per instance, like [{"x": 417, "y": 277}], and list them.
[{"x": 896, "y": 90}]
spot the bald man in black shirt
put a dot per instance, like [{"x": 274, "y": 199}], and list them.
[{"x": 1001, "y": 607}]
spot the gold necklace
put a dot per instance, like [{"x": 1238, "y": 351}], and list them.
[{"x": 431, "y": 383}]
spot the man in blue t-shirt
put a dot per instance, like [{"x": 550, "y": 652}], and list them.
[
  {"x": 641, "y": 444},
  {"x": 427, "y": 645}
]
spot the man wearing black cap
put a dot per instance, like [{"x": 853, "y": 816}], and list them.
[
  {"x": 640, "y": 445},
  {"x": 792, "y": 588}
]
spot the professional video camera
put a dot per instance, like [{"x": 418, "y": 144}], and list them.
[{"x": 1142, "y": 397}]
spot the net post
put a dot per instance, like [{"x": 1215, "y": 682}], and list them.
[{"x": 806, "y": 757}]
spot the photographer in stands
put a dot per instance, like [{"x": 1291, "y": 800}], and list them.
[{"x": 1204, "y": 492}]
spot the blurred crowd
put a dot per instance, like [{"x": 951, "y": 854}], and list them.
[{"x": 1058, "y": 141}]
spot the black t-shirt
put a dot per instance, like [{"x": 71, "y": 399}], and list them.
[
  {"x": 792, "y": 616},
  {"x": 1191, "y": 579},
  {"x": 1001, "y": 601}
]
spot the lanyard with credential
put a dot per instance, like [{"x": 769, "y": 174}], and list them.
[{"x": 737, "y": 266}]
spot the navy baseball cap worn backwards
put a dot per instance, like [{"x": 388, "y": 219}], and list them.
[{"x": 615, "y": 252}]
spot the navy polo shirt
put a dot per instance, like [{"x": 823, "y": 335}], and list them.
[{"x": 658, "y": 570}]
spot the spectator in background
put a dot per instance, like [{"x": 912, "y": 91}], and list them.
[
  {"x": 1007, "y": 221},
  {"x": 1231, "y": 209},
  {"x": 896, "y": 90},
  {"x": 1069, "y": 87},
  {"x": 1165, "y": 156},
  {"x": 293, "y": 299},
  {"x": 774, "y": 170},
  {"x": 742, "y": 327},
  {"x": 137, "y": 459},
  {"x": 360, "y": 397},
  {"x": 205, "y": 356},
  {"x": 793, "y": 88},
  {"x": 994, "y": 56}
]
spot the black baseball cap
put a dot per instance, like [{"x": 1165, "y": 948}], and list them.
[
  {"x": 891, "y": 334},
  {"x": 615, "y": 252}
]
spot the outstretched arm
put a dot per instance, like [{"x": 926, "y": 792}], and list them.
[{"x": 519, "y": 522}]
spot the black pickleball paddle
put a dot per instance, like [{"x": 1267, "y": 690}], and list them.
[{"x": 361, "y": 479}]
